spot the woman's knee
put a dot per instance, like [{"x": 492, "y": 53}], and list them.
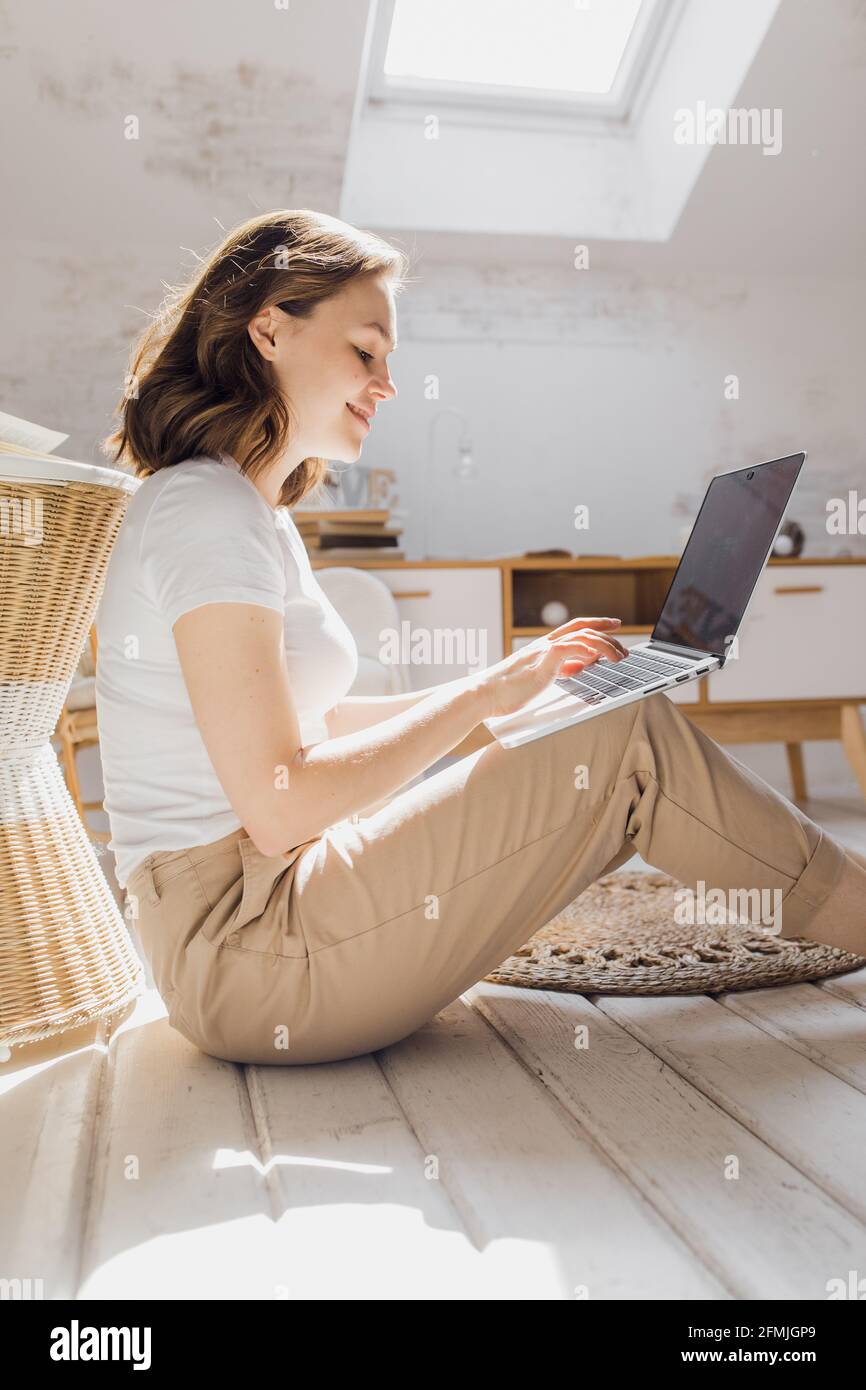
[{"x": 658, "y": 715}]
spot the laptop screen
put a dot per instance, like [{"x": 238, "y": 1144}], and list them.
[{"x": 725, "y": 554}]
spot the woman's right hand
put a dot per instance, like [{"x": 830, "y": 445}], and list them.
[{"x": 511, "y": 683}]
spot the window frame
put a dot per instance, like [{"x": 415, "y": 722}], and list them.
[{"x": 497, "y": 104}]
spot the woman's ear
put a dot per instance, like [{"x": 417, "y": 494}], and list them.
[{"x": 262, "y": 331}]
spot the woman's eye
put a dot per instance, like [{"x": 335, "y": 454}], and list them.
[{"x": 364, "y": 356}]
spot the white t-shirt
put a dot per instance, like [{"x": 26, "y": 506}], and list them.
[{"x": 198, "y": 532}]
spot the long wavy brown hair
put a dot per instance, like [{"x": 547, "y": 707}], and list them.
[{"x": 197, "y": 385}]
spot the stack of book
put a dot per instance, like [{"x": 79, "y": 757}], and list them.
[{"x": 351, "y": 533}]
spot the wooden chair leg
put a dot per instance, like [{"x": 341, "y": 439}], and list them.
[
  {"x": 854, "y": 742},
  {"x": 68, "y": 753},
  {"x": 70, "y": 771},
  {"x": 797, "y": 771}
]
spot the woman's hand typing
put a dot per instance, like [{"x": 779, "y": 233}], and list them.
[{"x": 511, "y": 683}]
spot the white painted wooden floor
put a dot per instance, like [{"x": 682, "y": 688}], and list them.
[{"x": 701, "y": 1147}]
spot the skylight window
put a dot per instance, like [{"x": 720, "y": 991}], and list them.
[{"x": 562, "y": 47}]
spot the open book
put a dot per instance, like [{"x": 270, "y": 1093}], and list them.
[{"x": 23, "y": 437}]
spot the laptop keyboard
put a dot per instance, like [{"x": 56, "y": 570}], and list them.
[{"x": 604, "y": 680}]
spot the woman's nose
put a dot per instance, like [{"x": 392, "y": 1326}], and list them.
[{"x": 385, "y": 386}]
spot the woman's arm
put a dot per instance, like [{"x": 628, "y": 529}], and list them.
[
  {"x": 233, "y": 660},
  {"x": 361, "y": 711},
  {"x": 356, "y": 712}
]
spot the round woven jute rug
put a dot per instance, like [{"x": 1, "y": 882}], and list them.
[{"x": 625, "y": 935}]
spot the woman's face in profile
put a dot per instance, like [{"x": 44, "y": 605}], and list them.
[{"x": 333, "y": 366}]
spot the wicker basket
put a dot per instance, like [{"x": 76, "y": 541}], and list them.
[{"x": 66, "y": 956}]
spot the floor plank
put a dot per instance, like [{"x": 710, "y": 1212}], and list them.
[
  {"x": 851, "y": 987},
  {"x": 770, "y": 1233},
  {"x": 177, "y": 1207},
  {"x": 358, "y": 1211},
  {"x": 830, "y": 1031},
  {"x": 51, "y": 1094},
  {"x": 802, "y": 1111},
  {"x": 529, "y": 1182}
]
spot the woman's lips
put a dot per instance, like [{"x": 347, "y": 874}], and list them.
[{"x": 356, "y": 414}]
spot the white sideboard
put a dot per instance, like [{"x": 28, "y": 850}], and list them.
[{"x": 803, "y": 638}]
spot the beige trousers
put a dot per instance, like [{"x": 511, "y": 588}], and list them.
[{"x": 353, "y": 940}]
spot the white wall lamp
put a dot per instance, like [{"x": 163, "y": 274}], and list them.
[{"x": 463, "y": 470}]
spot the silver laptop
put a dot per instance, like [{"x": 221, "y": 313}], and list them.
[{"x": 729, "y": 545}]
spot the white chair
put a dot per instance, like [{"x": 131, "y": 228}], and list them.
[{"x": 367, "y": 607}]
